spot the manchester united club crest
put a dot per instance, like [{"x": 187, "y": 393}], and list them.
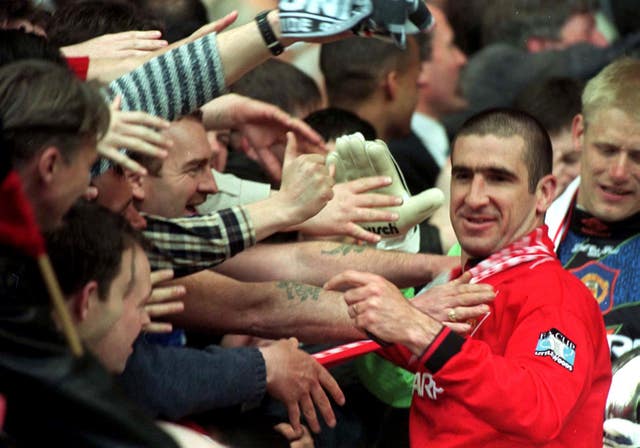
[{"x": 601, "y": 281}]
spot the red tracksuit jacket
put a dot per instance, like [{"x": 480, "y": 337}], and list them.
[{"x": 535, "y": 373}]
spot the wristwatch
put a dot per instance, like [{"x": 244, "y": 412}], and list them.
[{"x": 269, "y": 37}]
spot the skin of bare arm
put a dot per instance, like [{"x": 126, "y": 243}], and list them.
[
  {"x": 268, "y": 309},
  {"x": 314, "y": 262}
]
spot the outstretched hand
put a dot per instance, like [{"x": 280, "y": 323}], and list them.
[
  {"x": 134, "y": 131},
  {"x": 262, "y": 127},
  {"x": 306, "y": 183},
  {"x": 118, "y": 45},
  {"x": 300, "y": 382},
  {"x": 163, "y": 301},
  {"x": 353, "y": 203},
  {"x": 374, "y": 304},
  {"x": 458, "y": 299}
]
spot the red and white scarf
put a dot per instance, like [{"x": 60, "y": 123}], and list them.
[{"x": 534, "y": 246}]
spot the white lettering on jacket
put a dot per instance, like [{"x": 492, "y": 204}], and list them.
[{"x": 423, "y": 383}]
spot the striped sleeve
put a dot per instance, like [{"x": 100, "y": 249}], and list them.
[
  {"x": 175, "y": 83},
  {"x": 170, "y": 85}
]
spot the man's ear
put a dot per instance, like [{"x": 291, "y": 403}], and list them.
[
  {"x": 82, "y": 301},
  {"x": 48, "y": 163},
  {"x": 391, "y": 85},
  {"x": 578, "y": 128},
  {"x": 545, "y": 192}
]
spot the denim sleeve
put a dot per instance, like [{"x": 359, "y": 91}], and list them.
[{"x": 173, "y": 382}]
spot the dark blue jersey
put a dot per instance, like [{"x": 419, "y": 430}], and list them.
[{"x": 606, "y": 257}]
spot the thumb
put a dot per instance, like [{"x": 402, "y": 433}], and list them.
[
  {"x": 291, "y": 150},
  {"x": 421, "y": 206}
]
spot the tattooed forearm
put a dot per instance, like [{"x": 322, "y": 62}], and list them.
[
  {"x": 299, "y": 291},
  {"x": 344, "y": 250}
]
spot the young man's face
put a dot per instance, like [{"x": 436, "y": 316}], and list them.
[
  {"x": 185, "y": 179},
  {"x": 103, "y": 312},
  {"x": 406, "y": 97},
  {"x": 491, "y": 205},
  {"x": 441, "y": 74},
  {"x": 610, "y": 172},
  {"x": 116, "y": 345}
]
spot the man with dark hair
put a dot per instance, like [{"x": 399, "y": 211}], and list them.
[
  {"x": 53, "y": 122},
  {"x": 554, "y": 102},
  {"x": 101, "y": 266},
  {"x": 534, "y": 370},
  {"x": 375, "y": 80},
  {"x": 104, "y": 274},
  {"x": 283, "y": 85},
  {"x": 333, "y": 122}
]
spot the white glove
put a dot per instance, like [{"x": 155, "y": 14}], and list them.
[{"x": 355, "y": 158}]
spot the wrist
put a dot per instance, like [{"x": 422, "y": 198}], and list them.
[
  {"x": 286, "y": 214},
  {"x": 268, "y": 23},
  {"x": 274, "y": 20},
  {"x": 421, "y": 335},
  {"x": 266, "y": 355}
]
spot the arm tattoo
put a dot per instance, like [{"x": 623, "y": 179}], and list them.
[
  {"x": 299, "y": 291},
  {"x": 343, "y": 250}
]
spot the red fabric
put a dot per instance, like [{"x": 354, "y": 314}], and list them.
[
  {"x": 3, "y": 410},
  {"x": 337, "y": 355},
  {"x": 79, "y": 65},
  {"x": 495, "y": 391},
  {"x": 18, "y": 227}
]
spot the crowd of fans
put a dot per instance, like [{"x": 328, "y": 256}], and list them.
[{"x": 215, "y": 213}]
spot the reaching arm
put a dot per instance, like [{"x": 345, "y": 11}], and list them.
[
  {"x": 317, "y": 261},
  {"x": 306, "y": 187},
  {"x": 193, "y": 73},
  {"x": 269, "y": 309}
]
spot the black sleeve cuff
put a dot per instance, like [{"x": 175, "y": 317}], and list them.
[{"x": 446, "y": 349}]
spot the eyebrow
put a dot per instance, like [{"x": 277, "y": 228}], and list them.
[{"x": 486, "y": 169}]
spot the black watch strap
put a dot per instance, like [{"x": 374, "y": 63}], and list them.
[{"x": 269, "y": 37}]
